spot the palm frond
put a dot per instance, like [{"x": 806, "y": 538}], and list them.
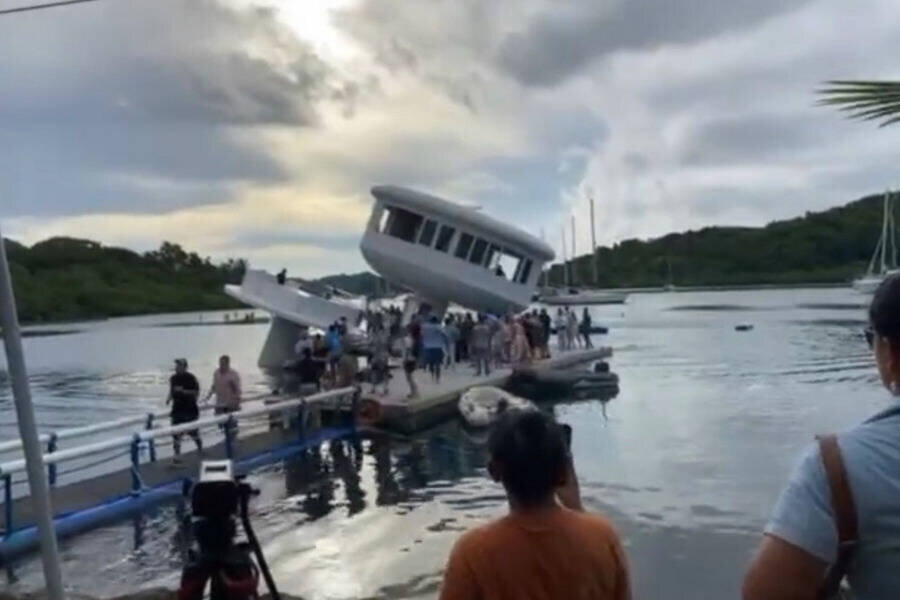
[{"x": 865, "y": 100}]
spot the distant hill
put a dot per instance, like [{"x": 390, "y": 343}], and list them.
[
  {"x": 826, "y": 247},
  {"x": 70, "y": 279}
]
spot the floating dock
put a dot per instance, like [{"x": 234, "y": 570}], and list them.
[{"x": 437, "y": 402}]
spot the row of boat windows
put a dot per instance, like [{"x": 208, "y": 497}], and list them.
[{"x": 416, "y": 229}]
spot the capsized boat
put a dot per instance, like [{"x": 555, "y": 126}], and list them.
[{"x": 482, "y": 406}]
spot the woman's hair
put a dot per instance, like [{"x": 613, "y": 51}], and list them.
[
  {"x": 884, "y": 311},
  {"x": 531, "y": 453}
]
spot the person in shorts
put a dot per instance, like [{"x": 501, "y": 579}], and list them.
[{"x": 184, "y": 389}]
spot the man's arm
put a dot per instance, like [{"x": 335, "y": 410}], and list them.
[
  {"x": 459, "y": 580},
  {"x": 569, "y": 493},
  {"x": 782, "y": 571},
  {"x": 212, "y": 388},
  {"x": 801, "y": 538}
]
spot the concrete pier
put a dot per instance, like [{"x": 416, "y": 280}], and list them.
[{"x": 437, "y": 402}]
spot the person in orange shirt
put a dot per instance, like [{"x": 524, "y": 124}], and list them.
[{"x": 540, "y": 550}]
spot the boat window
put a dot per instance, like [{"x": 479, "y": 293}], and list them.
[
  {"x": 493, "y": 257},
  {"x": 506, "y": 264},
  {"x": 428, "y": 231},
  {"x": 464, "y": 245},
  {"x": 383, "y": 220},
  {"x": 404, "y": 224},
  {"x": 526, "y": 271},
  {"x": 478, "y": 251},
  {"x": 444, "y": 238}
]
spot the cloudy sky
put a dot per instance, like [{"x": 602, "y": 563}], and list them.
[{"x": 256, "y": 128}]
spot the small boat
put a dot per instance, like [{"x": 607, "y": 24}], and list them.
[
  {"x": 743, "y": 327},
  {"x": 481, "y": 406},
  {"x": 546, "y": 385},
  {"x": 884, "y": 260},
  {"x": 574, "y": 296}
]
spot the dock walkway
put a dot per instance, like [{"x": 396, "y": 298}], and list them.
[{"x": 437, "y": 402}]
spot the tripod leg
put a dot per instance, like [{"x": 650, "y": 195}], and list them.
[{"x": 257, "y": 550}]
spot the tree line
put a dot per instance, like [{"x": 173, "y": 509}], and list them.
[
  {"x": 832, "y": 246},
  {"x": 66, "y": 278}
]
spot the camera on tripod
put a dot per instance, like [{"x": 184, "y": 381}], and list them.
[{"x": 216, "y": 499}]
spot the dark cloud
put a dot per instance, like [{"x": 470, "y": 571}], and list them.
[
  {"x": 560, "y": 41},
  {"x": 756, "y": 137},
  {"x": 170, "y": 93}
]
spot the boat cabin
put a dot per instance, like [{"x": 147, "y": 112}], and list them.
[{"x": 446, "y": 252}]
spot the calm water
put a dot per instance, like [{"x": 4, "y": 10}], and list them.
[{"x": 687, "y": 461}]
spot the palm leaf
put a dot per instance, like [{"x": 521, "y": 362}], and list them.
[{"x": 865, "y": 100}]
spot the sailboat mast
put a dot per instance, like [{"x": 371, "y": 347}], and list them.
[
  {"x": 574, "y": 270},
  {"x": 893, "y": 231},
  {"x": 884, "y": 232},
  {"x": 593, "y": 241}
]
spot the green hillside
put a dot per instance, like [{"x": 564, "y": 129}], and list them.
[
  {"x": 827, "y": 247},
  {"x": 70, "y": 279}
]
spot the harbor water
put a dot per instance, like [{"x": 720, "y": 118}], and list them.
[{"x": 687, "y": 460}]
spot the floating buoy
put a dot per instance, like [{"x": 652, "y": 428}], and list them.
[{"x": 743, "y": 327}]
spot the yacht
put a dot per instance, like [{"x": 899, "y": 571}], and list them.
[
  {"x": 884, "y": 260},
  {"x": 443, "y": 252}
]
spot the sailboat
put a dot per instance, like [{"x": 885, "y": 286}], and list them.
[{"x": 884, "y": 260}]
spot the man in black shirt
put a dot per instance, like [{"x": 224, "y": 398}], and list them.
[
  {"x": 310, "y": 370},
  {"x": 183, "y": 392}
]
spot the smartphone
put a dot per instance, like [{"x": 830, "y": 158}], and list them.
[{"x": 567, "y": 434}]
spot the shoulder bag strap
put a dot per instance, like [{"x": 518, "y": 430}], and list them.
[{"x": 844, "y": 513}]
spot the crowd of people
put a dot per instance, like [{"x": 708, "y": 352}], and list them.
[{"x": 482, "y": 341}]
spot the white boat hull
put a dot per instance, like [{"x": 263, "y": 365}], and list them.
[
  {"x": 585, "y": 298},
  {"x": 869, "y": 283}
]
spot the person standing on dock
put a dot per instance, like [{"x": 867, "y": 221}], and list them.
[
  {"x": 547, "y": 547},
  {"x": 184, "y": 391},
  {"x": 572, "y": 329},
  {"x": 226, "y": 385},
  {"x": 480, "y": 346},
  {"x": 434, "y": 343},
  {"x": 410, "y": 362},
  {"x": 465, "y": 333},
  {"x": 545, "y": 337},
  {"x": 585, "y": 328},
  {"x": 562, "y": 326},
  {"x": 452, "y": 331}
]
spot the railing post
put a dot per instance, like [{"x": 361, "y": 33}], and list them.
[
  {"x": 151, "y": 443},
  {"x": 7, "y": 504},
  {"x": 51, "y": 468},
  {"x": 135, "y": 465},
  {"x": 229, "y": 437}
]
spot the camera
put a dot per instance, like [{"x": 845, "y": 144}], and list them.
[{"x": 217, "y": 498}]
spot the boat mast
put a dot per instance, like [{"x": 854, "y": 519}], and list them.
[
  {"x": 893, "y": 231},
  {"x": 574, "y": 270},
  {"x": 593, "y": 240},
  {"x": 884, "y": 232}
]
